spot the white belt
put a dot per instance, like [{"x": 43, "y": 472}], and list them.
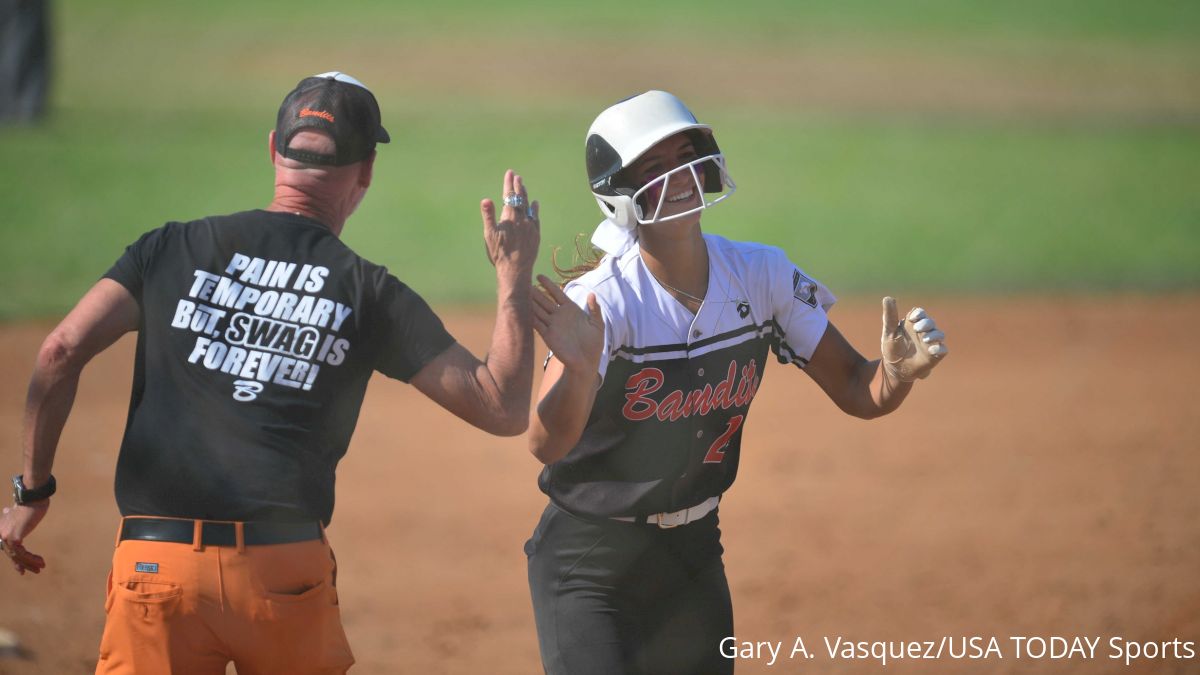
[{"x": 675, "y": 518}]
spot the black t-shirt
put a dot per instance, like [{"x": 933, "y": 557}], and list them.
[{"x": 259, "y": 332}]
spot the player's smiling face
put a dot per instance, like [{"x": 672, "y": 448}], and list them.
[{"x": 682, "y": 191}]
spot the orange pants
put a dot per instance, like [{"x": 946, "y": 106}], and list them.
[{"x": 188, "y": 608}]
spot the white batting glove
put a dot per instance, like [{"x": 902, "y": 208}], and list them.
[{"x": 912, "y": 347}]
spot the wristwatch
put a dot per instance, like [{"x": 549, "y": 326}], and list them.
[{"x": 23, "y": 495}]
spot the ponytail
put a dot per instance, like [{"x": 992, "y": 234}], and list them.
[{"x": 587, "y": 258}]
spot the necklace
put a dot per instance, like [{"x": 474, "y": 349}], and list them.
[{"x": 689, "y": 296}]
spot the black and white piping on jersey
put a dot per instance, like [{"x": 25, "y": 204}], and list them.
[
  {"x": 784, "y": 351},
  {"x": 713, "y": 343}
]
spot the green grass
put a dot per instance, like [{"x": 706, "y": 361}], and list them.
[
  {"x": 622, "y": 21},
  {"x": 867, "y": 205},
  {"x": 162, "y": 109}
]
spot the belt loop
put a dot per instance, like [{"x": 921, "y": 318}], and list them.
[
  {"x": 197, "y": 535},
  {"x": 120, "y": 531},
  {"x": 239, "y": 535}
]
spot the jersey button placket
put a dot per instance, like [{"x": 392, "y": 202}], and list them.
[{"x": 694, "y": 378}]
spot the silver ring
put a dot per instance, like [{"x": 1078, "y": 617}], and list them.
[{"x": 514, "y": 200}]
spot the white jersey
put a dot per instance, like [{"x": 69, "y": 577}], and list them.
[{"x": 665, "y": 431}]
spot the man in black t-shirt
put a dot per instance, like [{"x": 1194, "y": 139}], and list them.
[{"x": 257, "y": 334}]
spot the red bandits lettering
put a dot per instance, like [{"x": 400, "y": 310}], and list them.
[{"x": 728, "y": 393}]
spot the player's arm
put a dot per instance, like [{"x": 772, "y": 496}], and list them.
[
  {"x": 104, "y": 314},
  {"x": 870, "y": 389},
  {"x": 493, "y": 394},
  {"x": 858, "y": 386},
  {"x": 572, "y": 375}
]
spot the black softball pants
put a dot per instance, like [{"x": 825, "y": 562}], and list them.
[{"x": 613, "y": 598}]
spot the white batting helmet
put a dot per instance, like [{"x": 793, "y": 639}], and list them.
[{"x": 624, "y": 132}]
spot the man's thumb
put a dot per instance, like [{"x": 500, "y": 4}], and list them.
[
  {"x": 594, "y": 308},
  {"x": 891, "y": 317}
]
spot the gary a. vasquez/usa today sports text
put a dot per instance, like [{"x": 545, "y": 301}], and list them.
[{"x": 961, "y": 647}]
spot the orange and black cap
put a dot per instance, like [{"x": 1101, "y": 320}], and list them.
[{"x": 337, "y": 104}]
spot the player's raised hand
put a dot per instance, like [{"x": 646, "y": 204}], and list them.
[
  {"x": 576, "y": 337},
  {"x": 912, "y": 347},
  {"x": 16, "y": 523},
  {"x": 513, "y": 241}
]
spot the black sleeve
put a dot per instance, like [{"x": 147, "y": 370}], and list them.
[
  {"x": 131, "y": 268},
  {"x": 408, "y": 334}
]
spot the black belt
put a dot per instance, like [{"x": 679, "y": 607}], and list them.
[{"x": 254, "y": 533}]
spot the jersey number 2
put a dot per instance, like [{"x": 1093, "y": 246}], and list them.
[{"x": 716, "y": 451}]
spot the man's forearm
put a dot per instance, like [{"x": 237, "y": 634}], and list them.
[
  {"x": 510, "y": 359},
  {"x": 106, "y": 312},
  {"x": 48, "y": 402}
]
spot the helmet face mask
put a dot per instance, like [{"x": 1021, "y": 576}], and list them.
[
  {"x": 623, "y": 133},
  {"x": 650, "y": 199}
]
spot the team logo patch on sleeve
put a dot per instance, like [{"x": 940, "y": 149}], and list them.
[{"x": 804, "y": 289}]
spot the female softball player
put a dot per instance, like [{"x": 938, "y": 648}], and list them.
[{"x": 657, "y": 351}]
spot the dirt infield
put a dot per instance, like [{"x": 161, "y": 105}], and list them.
[{"x": 1044, "y": 482}]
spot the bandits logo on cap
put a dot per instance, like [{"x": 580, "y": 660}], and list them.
[{"x": 309, "y": 112}]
